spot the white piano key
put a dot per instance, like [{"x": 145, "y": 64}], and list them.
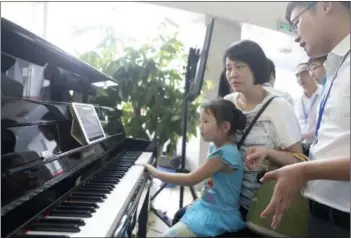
[
  {"x": 145, "y": 157},
  {"x": 33, "y": 232}
]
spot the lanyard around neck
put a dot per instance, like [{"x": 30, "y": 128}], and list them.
[
  {"x": 306, "y": 114},
  {"x": 325, "y": 96}
]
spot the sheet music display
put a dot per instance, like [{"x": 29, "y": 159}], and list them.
[{"x": 86, "y": 127}]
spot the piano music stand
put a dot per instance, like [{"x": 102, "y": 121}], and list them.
[{"x": 192, "y": 89}]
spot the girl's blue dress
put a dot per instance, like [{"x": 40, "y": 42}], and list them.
[{"x": 217, "y": 211}]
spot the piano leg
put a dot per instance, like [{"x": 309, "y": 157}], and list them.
[{"x": 144, "y": 216}]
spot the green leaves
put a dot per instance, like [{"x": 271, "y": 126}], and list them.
[{"x": 150, "y": 82}]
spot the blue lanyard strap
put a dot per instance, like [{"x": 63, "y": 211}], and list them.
[
  {"x": 325, "y": 96},
  {"x": 306, "y": 114}
]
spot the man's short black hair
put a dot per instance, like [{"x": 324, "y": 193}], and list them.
[
  {"x": 271, "y": 68},
  {"x": 252, "y": 54},
  {"x": 292, "y": 5}
]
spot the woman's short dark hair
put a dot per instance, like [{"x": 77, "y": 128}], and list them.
[
  {"x": 252, "y": 54},
  {"x": 224, "y": 87},
  {"x": 271, "y": 68},
  {"x": 226, "y": 111}
]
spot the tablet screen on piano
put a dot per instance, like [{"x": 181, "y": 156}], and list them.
[{"x": 89, "y": 122}]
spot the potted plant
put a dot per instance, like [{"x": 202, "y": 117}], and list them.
[{"x": 150, "y": 87}]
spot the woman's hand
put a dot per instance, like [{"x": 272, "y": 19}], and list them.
[
  {"x": 289, "y": 182},
  {"x": 255, "y": 156}
]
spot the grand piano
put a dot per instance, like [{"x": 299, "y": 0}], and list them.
[{"x": 51, "y": 184}]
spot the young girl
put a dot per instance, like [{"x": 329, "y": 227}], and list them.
[{"x": 217, "y": 211}]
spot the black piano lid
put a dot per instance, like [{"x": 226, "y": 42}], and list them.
[{"x": 21, "y": 43}]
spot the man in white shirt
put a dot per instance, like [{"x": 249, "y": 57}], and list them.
[
  {"x": 306, "y": 104},
  {"x": 269, "y": 86},
  {"x": 317, "y": 69},
  {"x": 322, "y": 28}
]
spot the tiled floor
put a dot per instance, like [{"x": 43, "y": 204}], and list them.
[{"x": 167, "y": 201}]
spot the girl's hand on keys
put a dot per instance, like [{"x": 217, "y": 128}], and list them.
[{"x": 150, "y": 169}]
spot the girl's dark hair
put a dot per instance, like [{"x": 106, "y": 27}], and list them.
[
  {"x": 252, "y": 54},
  {"x": 225, "y": 110}
]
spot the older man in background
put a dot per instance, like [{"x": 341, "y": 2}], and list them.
[
  {"x": 318, "y": 70},
  {"x": 306, "y": 104}
]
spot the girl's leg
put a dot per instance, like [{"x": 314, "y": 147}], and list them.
[
  {"x": 178, "y": 215},
  {"x": 179, "y": 230}
]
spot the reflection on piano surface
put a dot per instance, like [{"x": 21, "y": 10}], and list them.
[{"x": 52, "y": 186}]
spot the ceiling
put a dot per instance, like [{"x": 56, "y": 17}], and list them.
[{"x": 264, "y": 14}]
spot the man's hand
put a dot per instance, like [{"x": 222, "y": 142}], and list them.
[
  {"x": 289, "y": 182},
  {"x": 255, "y": 156}
]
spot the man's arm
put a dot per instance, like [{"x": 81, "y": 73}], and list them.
[
  {"x": 291, "y": 179},
  {"x": 330, "y": 169}
]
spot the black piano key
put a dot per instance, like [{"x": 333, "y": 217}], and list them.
[
  {"x": 122, "y": 168},
  {"x": 114, "y": 170},
  {"x": 109, "y": 177},
  {"x": 106, "y": 178},
  {"x": 85, "y": 199},
  {"x": 76, "y": 207},
  {"x": 126, "y": 163},
  {"x": 77, "y": 222},
  {"x": 90, "y": 187},
  {"x": 97, "y": 180},
  {"x": 111, "y": 186},
  {"x": 99, "y": 195},
  {"x": 62, "y": 227},
  {"x": 94, "y": 190},
  {"x": 70, "y": 213},
  {"x": 119, "y": 175},
  {"x": 87, "y": 204},
  {"x": 55, "y": 229}
]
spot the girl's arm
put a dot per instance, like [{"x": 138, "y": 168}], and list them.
[{"x": 188, "y": 179}]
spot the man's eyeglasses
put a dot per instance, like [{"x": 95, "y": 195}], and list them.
[{"x": 294, "y": 22}]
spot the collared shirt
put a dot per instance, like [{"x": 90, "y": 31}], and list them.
[
  {"x": 306, "y": 111},
  {"x": 324, "y": 81},
  {"x": 334, "y": 132}
]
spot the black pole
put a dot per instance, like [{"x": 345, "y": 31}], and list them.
[
  {"x": 185, "y": 129},
  {"x": 190, "y": 74}
]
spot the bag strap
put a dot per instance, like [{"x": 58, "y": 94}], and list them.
[{"x": 247, "y": 131}]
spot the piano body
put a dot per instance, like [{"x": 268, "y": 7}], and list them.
[{"x": 51, "y": 185}]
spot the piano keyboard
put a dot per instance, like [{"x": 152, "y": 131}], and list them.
[{"x": 96, "y": 207}]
